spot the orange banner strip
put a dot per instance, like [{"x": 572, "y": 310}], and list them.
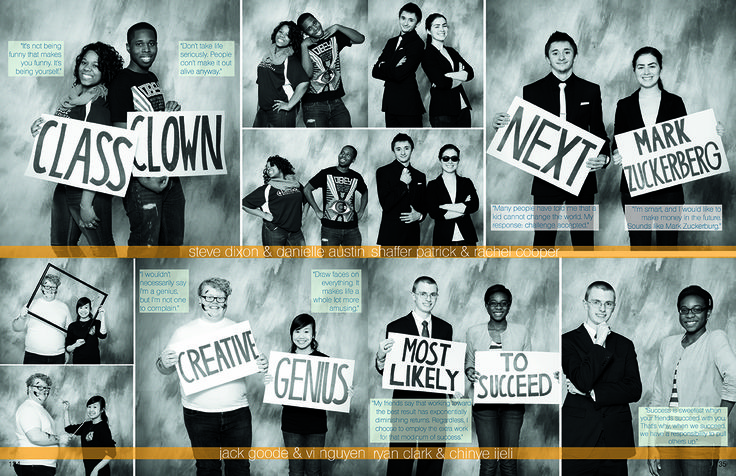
[{"x": 369, "y": 453}]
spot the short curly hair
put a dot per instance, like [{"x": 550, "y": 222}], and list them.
[
  {"x": 46, "y": 379},
  {"x": 295, "y": 34},
  {"x": 216, "y": 283},
  {"x": 281, "y": 163},
  {"x": 53, "y": 278},
  {"x": 109, "y": 61}
]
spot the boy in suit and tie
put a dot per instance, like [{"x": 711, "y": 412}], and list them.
[
  {"x": 579, "y": 102},
  {"x": 602, "y": 379},
  {"x": 419, "y": 322},
  {"x": 397, "y": 67}
]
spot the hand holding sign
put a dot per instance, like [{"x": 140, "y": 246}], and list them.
[
  {"x": 596, "y": 163},
  {"x": 500, "y": 120},
  {"x": 36, "y": 126}
]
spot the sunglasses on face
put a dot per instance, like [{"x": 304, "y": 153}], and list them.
[{"x": 447, "y": 158}]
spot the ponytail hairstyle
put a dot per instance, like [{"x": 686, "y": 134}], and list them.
[
  {"x": 301, "y": 321},
  {"x": 428, "y": 25},
  {"x": 101, "y": 401},
  {"x": 649, "y": 50}
]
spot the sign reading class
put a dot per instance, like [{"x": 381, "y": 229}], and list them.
[
  {"x": 517, "y": 377},
  {"x": 545, "y": 146},
  {"x": 424, "y": 364},
  {"x": 215, "y": 358},
  {"x": 310, "y": 381},
  {"x": 83, "y": 154},
  {"x": 180, "y": 144},
  {"x": 674, "y": 152}
]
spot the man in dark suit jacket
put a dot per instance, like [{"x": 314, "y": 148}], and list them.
[
  {"x": 419, "y": 322},
  {"x": 401, "y": 192},
  {"x": 397, "y": 66},
  {"x": 583, "y": 108},
  {"x": 602, "y": 379}
]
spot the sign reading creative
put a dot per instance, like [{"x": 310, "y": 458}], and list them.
[
  {"x": 178, "y": 143},
  {"x": 83, "y": 154},
  {"x": 674, "y": 152},
  {"x": 309, "y": 381},
  {"x": 215, "y": 358},
  {"x": 424, "y": 364},
  {"x": 545, "y": 146},
  {"x": 517, "y": 377}
]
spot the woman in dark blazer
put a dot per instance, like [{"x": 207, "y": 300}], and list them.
[
  {"x": 447, "y": 71},
  {"x": 649, "y": 105},
  {"x": 451, "y": 199}
]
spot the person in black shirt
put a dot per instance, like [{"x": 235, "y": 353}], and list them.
[
  {"x": 95, "y": 433},
  {"x": 82, "y": 336}
]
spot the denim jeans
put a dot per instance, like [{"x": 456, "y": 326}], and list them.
[
  {"x": 304, "y": 467},
  {"x": 276, "y": 118},
  {"x": 66, "y": 220},
  {"x": 341, "y": 236},
  {"x": 34, "y": 470},
  {"x": 231, "y": 429},
  {"x": 29, "y": 358},
  {"x": 498, "y": 426},
  {"x": 273, "y": 235},
  {"x": 332, "y": 113},
  {"x": 688, "y": 467},
  {"x": 156, "y": 219}
]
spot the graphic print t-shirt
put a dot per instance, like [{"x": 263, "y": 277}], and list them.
[
  {"x": 326, "y": 81},
  {"x": 131, "y": 91},
  {"x": 338, "y": 192}
]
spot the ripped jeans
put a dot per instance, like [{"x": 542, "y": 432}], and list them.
[{"x": 156, "y": 219}]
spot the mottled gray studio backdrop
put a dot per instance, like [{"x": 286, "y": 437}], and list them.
[
  {"x": 465, "y": 22},
  {"x": 113, "y": 276},
  {"x": 698, "y": 42},
  {"x": 211, "y": 208},
  {"x": 646, "y": 308},
  {"x": 259, "y": 20},
  {"x": 310, "y": 151},
  {"x": 76, "y": 385},
  {"x": 269, "y": 293}
]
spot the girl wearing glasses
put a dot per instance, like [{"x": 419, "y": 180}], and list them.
[
  {"x": 83, "y": 335},
  {"x": 497, "y": 425},
  {"x": 451, "y": 200},
  {"x": 695, "y": 369},
  {"x": 95, "y": 433}
]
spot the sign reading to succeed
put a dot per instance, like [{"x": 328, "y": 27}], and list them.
[
  {"x": 545, "y": 146},
  {"x": 216, "y": 358},
  {"x": 673, "y": 152},
  {"x": 425, "y": 365},
  {"x": 83, "y": 154},
  {"x": 517, "y": 377},
  {"x": 309, "y": 381},
  {"x": 178, "y": 143}
]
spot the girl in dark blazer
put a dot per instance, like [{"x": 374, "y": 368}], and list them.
[
  {"x": 451, "y": 200},
  {"x": 447, "y": 71},
  {"x": 649, "y": 105}
]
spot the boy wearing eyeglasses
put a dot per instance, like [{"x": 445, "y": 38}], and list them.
[
  {"x": 218, "y": 416},
  {"x": 34, "y": 427},
  {"x": 44, "y": 343},
  {"x": 419, "y": 322},
  {"x": 602, "y": 379}
]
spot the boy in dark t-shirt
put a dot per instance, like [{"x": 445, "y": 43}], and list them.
[
  {"x": 155, "y": 205},
  {"x": 323, "y": 106},
  {"x": 338, "y": 213}
]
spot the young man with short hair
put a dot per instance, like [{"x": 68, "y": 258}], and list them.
[
  {"x": 322, "y": 104},
  {"x": 581, "y": 101},
  {"x": 397, "y": 67},
  {"x": 339, "y": 214},
  {"x": 155, "y": 205},
  {"x": 401, "y": 191}
]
